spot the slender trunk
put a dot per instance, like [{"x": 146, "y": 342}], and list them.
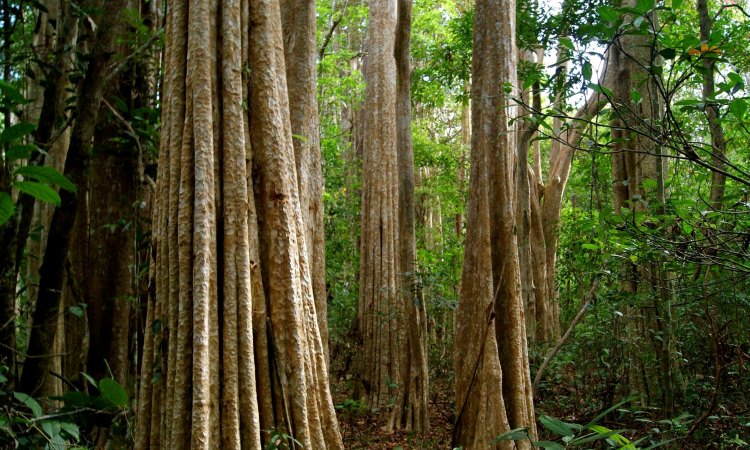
[
  {"x": 298, "y": 20},
  {"x": 461, "y": 176},
  {"x": 54, "y": 47},
  {"x": 636, "y": 159},
  {"x": 380, "y": 311},
  {"x": 52, "y": 271},
  {"x": 523, "y": 218},
  {"x": 718, "y": 143},
  {"x": 410, "y": 410}
]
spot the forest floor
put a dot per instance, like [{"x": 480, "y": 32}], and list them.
[{"x": 362, "y": 429}]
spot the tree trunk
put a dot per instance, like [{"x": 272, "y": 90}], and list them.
[
  {"x": 524, "y": 218},
  {"x": 410, "y": 410},
  {"x": 379, "y": 309},
  {"x": 635, "y": 159},
  {"x": 56, "y": 32},
  {"x": 718, "y": 143},
  {"x": 52, "y": 270},
  {"x": 298, "y": 19},
  {"x": 493, "y": 386},
  {"x": 234, "y": 347}
]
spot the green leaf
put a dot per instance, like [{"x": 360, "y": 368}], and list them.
[
  {"x": 567, "y": 43},
  {"x": 517, "y": 434},
  {"x": 89, "y": 379},
  {"x": 635, "y": 96},
  {"x": 613, "y": 434},
  {"x": 113, "y": 392},
  {"x": 76, "y": 310},
  {"x": 48, "y": 175},
  {"x": 21, "y": 151},
  {"x": 39, "y": 191},
  {"x": 600, "y": 89},
  {"x": 645, "y": 6},
  {"x": 738, "y": 106},
  {"x": 17, "y": 131},
  {"x": 649, "y": 183},
  {"x": 736, "y": 81},
  {"x": 677, "y": 3},
  {"x": 7, "y": 208},
  {"x": 71, "y": 429},
  {"x": 586, "y": 70},
  {"x": 13, "y": 94},
  {"x": 596, "y": 436},
  {"x": 51, "y": 427},
  {"x": 607, "y": 13},
  {"x": 556, "y": 426},
  {"x": 32, "y": 404},
  {"x": 590, "y": 246},
  {"x": 668, "y": 53},
  {"x": 548, "y": 445}
]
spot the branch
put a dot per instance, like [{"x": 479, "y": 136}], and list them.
[
  {"x": 329, "y": 35},
  {"x": 564, "y": 338}
]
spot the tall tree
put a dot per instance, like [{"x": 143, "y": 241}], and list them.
[
  {"x": 493, "y": 386},
  {"x": 379, "y": 309},
  {"x": 234, "y": 349},
  {"x": 636, "y": 162},
  {"x": 718, "y": 142},
  {"x": 298, "y": 19},
  {"x": 55, "y": 35},
  {"x": 51, "y": 271},
  {"x": 410, "y": 410}
]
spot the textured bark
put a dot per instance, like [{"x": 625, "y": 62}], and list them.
[
  {"x": 56, "y": 30},
  {"x": 298, "y": 19},
  {"x": 461, "y": 175},
  {"x": 379, "y": 307},
  {"x": 52, "y": 270},
  {"x": 718, "y": 143},
  {"x": 546, "y": 207},
  {"x": 235, "y": 351},
  {"x": 523, "y": 213},
  {"x": 636, "y": 158},
  {"x": 410, "y": 409},
  {"x": 493, "y": 386}
]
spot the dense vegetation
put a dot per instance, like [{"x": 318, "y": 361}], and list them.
[{"x": 652, "y": 288}]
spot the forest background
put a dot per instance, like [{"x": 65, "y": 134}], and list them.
[{"x": 630, "y": 216}]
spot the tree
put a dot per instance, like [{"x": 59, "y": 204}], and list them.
[
  {"x": 51, "y": 47},
  {"x": 51, "y": 275},
  {"x": 379, "y": 314},
  {"x": 298, "y": 18},
  {"x": 233, "y": 349},
  {"x": 493, "y": 386},
  {"x": 410, "y": 410}
]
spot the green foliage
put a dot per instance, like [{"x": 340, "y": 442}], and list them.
[
  {"x": 25, "y": 425},
  {"x": 280, "y": 439},
  {"x": 572, "y": 435}
]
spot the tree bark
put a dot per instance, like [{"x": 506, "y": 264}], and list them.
[
  {"x": 718, "y": 143},
  {"x": 299, "y": 20},
  {"x": 234, "y": 350},
  {"x": 493, "y": 385},
  {"x": 52, "y": 270},
  {"x": 410, "y": 409},
  {"x": 380, "y": 311},
  {"x": 52, "y": 44}
]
